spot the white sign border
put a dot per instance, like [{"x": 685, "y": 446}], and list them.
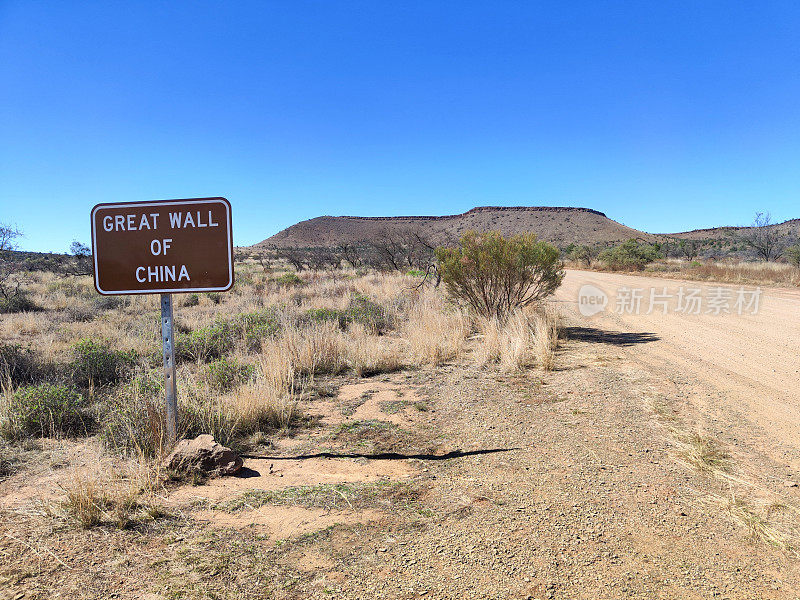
[{"x": 162, "y": 203}]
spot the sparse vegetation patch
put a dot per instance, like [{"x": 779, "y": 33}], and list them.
[{"x": 44, "y": 410}]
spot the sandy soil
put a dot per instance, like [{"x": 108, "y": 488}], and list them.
[{"x": 739, "y": 371}]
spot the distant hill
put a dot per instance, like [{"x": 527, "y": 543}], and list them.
[
  {"x": 558, "y": 225},
  {"x": 790, "y": 228}
]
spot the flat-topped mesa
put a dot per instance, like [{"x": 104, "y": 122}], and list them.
[
  {"x": 559, "y": 225},
  {"x": 477, "y": 209}
]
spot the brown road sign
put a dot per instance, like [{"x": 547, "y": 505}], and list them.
[{"x": 163, "y": 247}]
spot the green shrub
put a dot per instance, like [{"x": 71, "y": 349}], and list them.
[
  {"x": 371, "y": 315},
  {"x": 583, "y": 254},
  {"x": 205, "y": 344},
  {"x": 415, "y": 273},
  {"x": 96, "y": 363},
  {"x": 216, "y": 340},
  {"x": 44, "y": 410},
  {"x": 360, "y": 310},
  {"x": 289, "y": 279},
  {"x": 191, "y": 300},
  {"x": 18, "y": 302},
  {"x": 632, "y": 255},
  {"x": 253, "y": 327},
  {"x": 495, "y": 275},
  {"x": 793, "y": 255},
  {"x": 133, "y": 419},
  {"x": 225, "y": 374},
  {"x": 19, "y": 365},
  {"x": 322, "y": 315}
]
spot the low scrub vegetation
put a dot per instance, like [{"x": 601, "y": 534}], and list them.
[
  {"x": 226, "y": 373},
  {"x": 19, "y": 365},
  {"x": 249, "y": 360},
  {"x": 495, "y": 275},
  {"x": 730, "y": 271},
  {"x": 630, "y": 256},
  {"x": 17, "y": 303},
  {"x": 96, "y": 363},
  {"x": 44, "y": 410}
]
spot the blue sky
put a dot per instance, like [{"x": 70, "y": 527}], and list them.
[{"x": 665, "y": 115}]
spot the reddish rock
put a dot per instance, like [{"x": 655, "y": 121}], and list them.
[{"x": 203, "y": 455}]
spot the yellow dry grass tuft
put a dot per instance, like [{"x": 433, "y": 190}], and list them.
[
  {"x": 113, "y": 493},
  {"x": 705, "y": 453},
  {"x": 434, "y": 332},
  {"x": 527, "y": 338}
]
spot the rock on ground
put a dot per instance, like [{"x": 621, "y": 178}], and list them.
[{"x": 203, "y": 455}]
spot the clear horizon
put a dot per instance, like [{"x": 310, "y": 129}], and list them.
[{"x": 665, "y": 118}]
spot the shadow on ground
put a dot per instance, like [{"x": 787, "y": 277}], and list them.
[
  {"x": 385, "y": 455},
  {"x": 614, "y": 338}
]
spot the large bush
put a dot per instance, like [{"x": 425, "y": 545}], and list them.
[
  {"x": 495, "y": 275},
  {"x": 44, "y": 410},
  {"x": 630, "y": 256}
]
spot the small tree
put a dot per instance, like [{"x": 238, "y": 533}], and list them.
[
  {"x": 350, "y": 253},
  {"x": 294, "y": 256},
  {"x": 689, "y": 249},
  {"x": 12, "y": 273},
  {"x": 401, "y": 250},
  {"x": 81, "y": 262},
  {"x": 495, "y": 275},
  {"x": 584, "y": 254},
  {"x": 763, "y": 237},
  {"x": 793, "y": 255}
]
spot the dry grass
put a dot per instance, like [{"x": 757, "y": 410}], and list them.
[
  {"x": 767, "y": 521},
  {"x": 434, "y": 332},
  {"x": 705, "y": 453},
  {"x": 119, "y": 494},
  {"x": 734, "y": 272},
  {"x": 269, "y": 402},
  {"x": 730, "y": 271},
  {"x": 526, "y": 339},
  {"x": 317, "y": 348},
  {"x": 370, "y": 355},
  {"x": 324, "y": 324}
]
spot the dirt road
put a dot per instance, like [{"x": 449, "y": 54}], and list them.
[{"x": 739, "y": 373}]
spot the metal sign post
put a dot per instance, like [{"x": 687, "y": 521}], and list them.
[
  {"x": 170, "y": 385},
  {"x": 164, "y": 247}
]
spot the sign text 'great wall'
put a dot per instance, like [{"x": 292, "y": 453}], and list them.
[{"x": 163, "y": 247}]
